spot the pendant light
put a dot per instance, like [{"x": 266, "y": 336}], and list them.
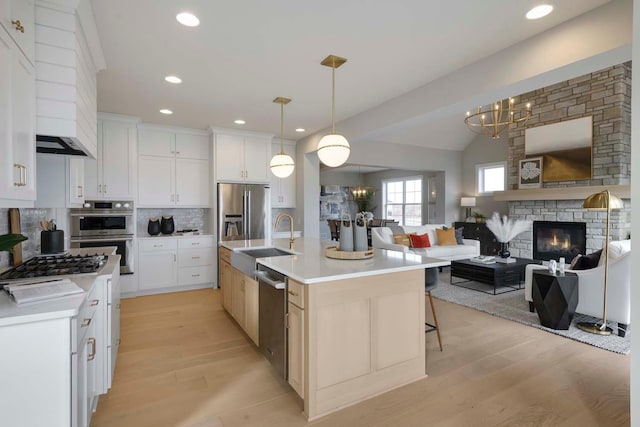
[
  {"x": 282, "y": 164},
  {"x": 333, "y": 149}
]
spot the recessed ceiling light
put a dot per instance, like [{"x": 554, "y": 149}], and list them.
[
  {"x": 188, "y": 19},
  {"x": 166, "y": 111},
  {"x": 239, "y": 122},
  {"x": 173, "y": 79},
  {"x": 300, "y": 130},
  {"x": 539, "y": 11}
]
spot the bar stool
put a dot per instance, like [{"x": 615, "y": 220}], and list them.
[{"x": 430, "y": 283}]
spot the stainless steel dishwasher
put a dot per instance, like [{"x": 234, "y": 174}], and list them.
[{"x": 272, "y": 314}]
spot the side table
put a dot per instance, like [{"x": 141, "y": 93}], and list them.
[{"x": 555, "y": 297}]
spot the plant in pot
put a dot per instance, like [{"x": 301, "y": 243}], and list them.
[
  {"x": 9, "y": 241},
  {"x": 505, "y": 230}
]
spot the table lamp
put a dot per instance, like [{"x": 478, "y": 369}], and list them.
[
  {"x": 600, "y": 201},
  {"x": 468, "y": 202}
]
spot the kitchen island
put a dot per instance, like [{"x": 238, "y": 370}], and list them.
[{"x": 355, "y": 328}]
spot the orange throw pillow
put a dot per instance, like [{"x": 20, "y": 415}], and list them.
[
  {"x": 401, "y": 239},
  {"x": 446, "y": 237},
  {"x": 420, "y": 241}
]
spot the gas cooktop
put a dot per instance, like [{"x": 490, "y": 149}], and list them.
[{"x": 55, "y": 265}]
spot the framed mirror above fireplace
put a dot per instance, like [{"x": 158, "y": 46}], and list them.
[{"x": 555, "y": 239}]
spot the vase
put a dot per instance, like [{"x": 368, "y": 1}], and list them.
[
  {"x": 504, "y": 250},
  {"x": 167, "y": 225},
  {"x": 153, "y": 228}
]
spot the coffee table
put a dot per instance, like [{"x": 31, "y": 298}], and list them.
[{"x": 509, "y": 277}]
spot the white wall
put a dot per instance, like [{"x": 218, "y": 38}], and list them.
[
  {"x": 635, "y": 222},
  {"x": 483, "y": 149},
  {"x": 338, "y": 177}
]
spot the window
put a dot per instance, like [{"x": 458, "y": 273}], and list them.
[
  {"x": 403, "y": 200},
  {"x": 491, "y": 177}
]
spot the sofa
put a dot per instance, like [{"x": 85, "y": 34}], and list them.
[
  {"x": 591, "y": 290},
  {"x": 382, "y": 237}
]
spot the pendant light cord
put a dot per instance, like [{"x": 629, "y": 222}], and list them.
[
  {"x": 333, "y": 99},
  {"x": 281, "y": 128}
]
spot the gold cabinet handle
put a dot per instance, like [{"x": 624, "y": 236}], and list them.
[
  {"x": 23, "y": 175},
  {"x": 18, "y": 25},
  {"x": 80, "y": 191},
  {"x": 195, "y": 275},
  {"x": 295, "y": 294},
  {"x": 92, "y": 341},
  {"x": 85, "y": 323},
  {"x": 95, "y": 302},
  {"x": 195, "y": 257}
]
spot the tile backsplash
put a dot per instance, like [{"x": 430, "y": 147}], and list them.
[
  {"x": 198, "y": 219},
  {"x": 30, "y": 222}
]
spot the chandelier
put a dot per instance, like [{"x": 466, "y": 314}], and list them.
[{"x": 495, "y": 120}]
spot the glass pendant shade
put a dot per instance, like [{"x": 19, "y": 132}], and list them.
[
  {"x": 333, "y": 150},
  {"x": 282, "y": 165}
]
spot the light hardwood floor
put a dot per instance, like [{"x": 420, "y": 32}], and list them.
[{"x": 183, "y": 362}]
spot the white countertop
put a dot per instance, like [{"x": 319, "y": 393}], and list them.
[
  {"x": 310, "y": 265},
  {"x": 173, "y": 236},
  {"x": 12, "y": 314}
]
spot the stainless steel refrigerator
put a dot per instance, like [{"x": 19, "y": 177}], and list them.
[{"x": 243, "y": 211}]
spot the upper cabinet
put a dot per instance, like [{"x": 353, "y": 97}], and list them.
[
  {"x": 17, "y": 111},
  {"x": 112, "y": 175},
  {"x": 17, "y": 18},
  {"x": 60, "y": 181},
  {"x": 283, "y": 190},
  {"x": 173, "y": 167},
  {"x": 242, "y": 157}
]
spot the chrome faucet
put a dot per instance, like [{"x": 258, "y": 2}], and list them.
[{"x": 278, "y": 218}]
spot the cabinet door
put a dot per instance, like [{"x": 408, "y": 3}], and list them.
[
  {"x": 92, "y": 369},
  {"x": 192, "y": 146},
  {"x": 118, "y": 147},
  {"x": 156, "y": 143},
  {"x": 257, "y": 153},
  {"x": 192, "y": 182},
  {"x": 82, "y": 396},
  {"x": 92, "y": 177},
  {"x": 157, "y": 270},
  {"x": 76, "y": 181},
  {"x": 23, "y": 116},
  {"x": 23, "y": 11},
  {"x": 6, "y": 161},
  {"x": 295, "y": 351},
  {"x": 155, "y": 181},
  {"x": 229, "y": 158},
  {"x": 226, "y": 279},
  {"x": 251, "y": 307},
  {"x": 238, "y": 299}
]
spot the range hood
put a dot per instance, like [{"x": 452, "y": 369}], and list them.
[{"x": 58, "y": 145}]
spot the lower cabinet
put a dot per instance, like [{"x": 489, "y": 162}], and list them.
[
  {"x": 170, "y": 264},
  {"x": 295, "y": 350},
  {"x": 238, "y": 298},
  {"x": 226, "y": 280},
  {"x": 251, "y": 306}
]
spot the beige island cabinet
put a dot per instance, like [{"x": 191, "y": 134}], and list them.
[{"x": 355, "y": 327}]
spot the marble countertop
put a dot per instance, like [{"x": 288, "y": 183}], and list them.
[
  {"x": 309, "y": 264},
  {"x": 173, "y": 236}
]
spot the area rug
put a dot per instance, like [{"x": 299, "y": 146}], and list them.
[{"x": 513, "y": 306}]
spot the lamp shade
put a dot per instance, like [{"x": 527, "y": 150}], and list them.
[
  {"x": 282, "y": 165},
  {"x": 333, "y": 150},
  {"x": 468, "y": 202},
  {"x": 599, "y": 201}
]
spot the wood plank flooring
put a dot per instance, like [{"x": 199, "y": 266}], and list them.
[{"x": 183, "y": 362}]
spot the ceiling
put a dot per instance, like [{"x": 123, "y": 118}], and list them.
[
  {"x": 351, "y": 168},
  {"x": 246, "y": 53}
]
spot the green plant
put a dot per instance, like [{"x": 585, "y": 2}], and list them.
[
  {"x": 8, "y": 241},
  {"x": 478, "y": 216}
]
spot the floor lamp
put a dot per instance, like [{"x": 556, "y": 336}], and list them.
[{"x": 608, "y": 201}]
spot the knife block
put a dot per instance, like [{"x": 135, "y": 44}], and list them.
[{"x": 52, "y": 242}]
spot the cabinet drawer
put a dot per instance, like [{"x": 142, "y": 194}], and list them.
[
  {"x": 295, "y": 293},
  {"x": 196, "y": 242},
  {"x": 86, "y": 314},
  {"x": 196, "y": 257},
  {"x": 195, "y": 275},
  {"x": 150, "y": 245},
  {"x": 225, "y": 255}
]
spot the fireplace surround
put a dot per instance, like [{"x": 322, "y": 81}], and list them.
[{"x": 555, "y": 239}]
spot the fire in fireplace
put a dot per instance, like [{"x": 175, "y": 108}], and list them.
[{"x": 554, "y": 239}]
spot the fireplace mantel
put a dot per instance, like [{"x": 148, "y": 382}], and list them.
[{"x": 561, "y": 193}]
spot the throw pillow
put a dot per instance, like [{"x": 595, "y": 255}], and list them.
[
  {"x": 587, "y": 262},
  {"x": 617, "y": 248},
  {"x": 396, "y": 229},
  {"x": 458, "y": 234},
  {"x": 446, "y": 237},
  {"x": 402, "y": 239},
  {"x": 420, "y": 240},
  {"x": 575, "y": 262}
]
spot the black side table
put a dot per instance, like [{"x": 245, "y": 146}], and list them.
[{"x": 555, "y": 298}]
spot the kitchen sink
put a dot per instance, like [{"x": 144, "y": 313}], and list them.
[{"x": 245, "y": 260}]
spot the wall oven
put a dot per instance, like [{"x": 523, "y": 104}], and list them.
[{"x": 105, "y": 223}]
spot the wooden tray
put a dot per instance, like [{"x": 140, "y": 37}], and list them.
[{"x": 335, "y": 253}]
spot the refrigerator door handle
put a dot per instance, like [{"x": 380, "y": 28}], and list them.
[{"x": 247, "y": 217}]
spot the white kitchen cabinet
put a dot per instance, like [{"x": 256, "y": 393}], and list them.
[
  {"x": 173, "y": 168},
  {"x": 60, "y": 181},
  {"x": 157, "y": 269},
  {"x": 75, "y": 189},
  {"x": 112, "y": 176},
  {"x": 283, "y": 190},
  {"x": 17, "y": 18},
  {"x": 17, "y": 125},
  {"x": 242, "y": 158}
]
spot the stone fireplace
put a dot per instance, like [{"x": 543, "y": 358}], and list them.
[
  {"x": 605, "y": 95},
  {"x": 555, "y": 239}
]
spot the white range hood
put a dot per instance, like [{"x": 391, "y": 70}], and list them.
[{"x": 68, "y": 56}]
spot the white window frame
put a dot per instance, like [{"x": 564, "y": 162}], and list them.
[
  {"x": 404, "y": 204},
  {"x": 480, "y": 176}
]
